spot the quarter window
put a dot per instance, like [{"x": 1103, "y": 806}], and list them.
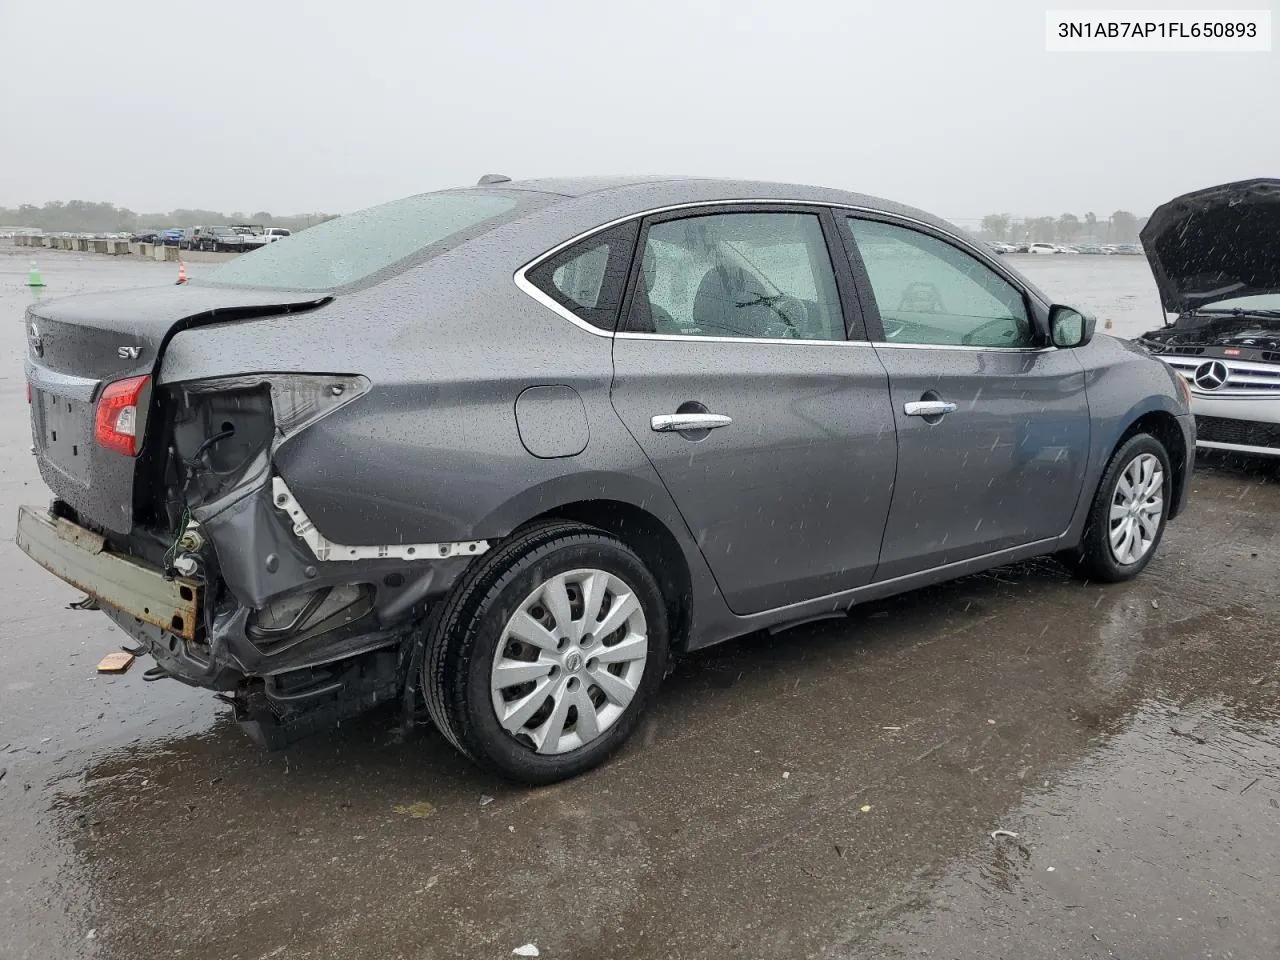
[
  {"x": 930, "y": 292},
  {"x": 755, "y": 275},
  {"x": 589, "y": 277}
]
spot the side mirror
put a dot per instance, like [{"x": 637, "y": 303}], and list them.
[{"x": 1069, "y": 327}]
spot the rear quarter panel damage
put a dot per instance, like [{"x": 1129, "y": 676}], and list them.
[{"x": 435, "y": 452}]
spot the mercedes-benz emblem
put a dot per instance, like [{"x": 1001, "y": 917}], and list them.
[
  {"x": 36, "y": 341},
  {"x": 1211, "y": 375}
]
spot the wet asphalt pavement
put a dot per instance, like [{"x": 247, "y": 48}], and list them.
[{"x": 826, "y": 792}]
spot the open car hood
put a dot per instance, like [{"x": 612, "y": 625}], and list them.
[{"x": 1215, "y": 244}]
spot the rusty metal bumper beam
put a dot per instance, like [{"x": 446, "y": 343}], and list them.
[{"x": 80, "y": 557}]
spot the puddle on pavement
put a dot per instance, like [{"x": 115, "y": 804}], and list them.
[{"x": 948, "y": 713}]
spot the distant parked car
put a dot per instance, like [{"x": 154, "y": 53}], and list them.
[
  {"x": 1092, "y": 248},
  {"x": 220, "y": 239},
  {"x": 252, "y": 235},
  {"x": 171, "y": 237},
  {"x": 145, "y": 236},
  {"x": 192, "y": 239},
  {"x": 1000, "y": 247},
  {"x": 277, "y": 233},
  {"x": 1042, "y": 248},
  {"x": 1068, "y": 249}
]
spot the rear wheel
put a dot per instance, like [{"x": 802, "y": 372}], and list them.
[
  {"x": 1127, "y": 518},
  {"x": 544, "y": 658}
]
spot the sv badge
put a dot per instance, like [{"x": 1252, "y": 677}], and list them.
[{"x": 129, "y": 353}]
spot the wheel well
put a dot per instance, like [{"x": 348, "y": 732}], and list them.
[
  {"x": 1164, "y": 427},
  {"x": 652, "y": 541}
]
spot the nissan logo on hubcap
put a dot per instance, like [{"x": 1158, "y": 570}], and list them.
[
  {"x": 573, "y": 662},
  {"x": 1211, "y": 375}
]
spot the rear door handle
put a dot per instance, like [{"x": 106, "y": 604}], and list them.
[
  {"x": 680, "y": 422},
  {"x": 928, "y": 408}
]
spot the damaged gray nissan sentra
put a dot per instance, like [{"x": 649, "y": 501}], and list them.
[
  {"x": 503, "y": 448},
  {"x": 1215, "y": 254}
]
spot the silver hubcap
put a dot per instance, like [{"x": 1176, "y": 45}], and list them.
[
  {"x": 569, "y": 661},
  {"x": 1136, "y": 508}
]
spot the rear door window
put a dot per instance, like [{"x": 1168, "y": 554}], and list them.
[{"x": 753, "y": 275}]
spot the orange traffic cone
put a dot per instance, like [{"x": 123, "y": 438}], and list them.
[{"x": 182, "y": 272}]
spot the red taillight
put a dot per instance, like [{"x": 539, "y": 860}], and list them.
[{"x": 115, "y": 425}]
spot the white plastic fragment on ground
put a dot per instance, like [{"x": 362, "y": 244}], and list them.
[
  {"x": 528, "y": 950},
  {"x": 997, "y": 834}
]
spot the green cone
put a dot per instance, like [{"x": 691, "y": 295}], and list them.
[{"x": 33, "y": 276}]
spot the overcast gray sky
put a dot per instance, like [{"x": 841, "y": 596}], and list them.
[{"x": 290, "y": 106}]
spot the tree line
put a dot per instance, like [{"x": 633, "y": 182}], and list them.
[
  {"x": 81, "y": 216},
  {"x": 1121, "y": 227}
]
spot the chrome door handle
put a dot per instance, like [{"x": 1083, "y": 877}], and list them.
[
  {"x": 928, "y": 408},
  {"x": 680, "y": 422}
]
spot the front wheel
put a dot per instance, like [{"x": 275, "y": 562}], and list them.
[
  {"x": 544, "y": 658},
  {"x": 1127, "y": 519}
]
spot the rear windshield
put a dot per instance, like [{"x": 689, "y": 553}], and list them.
[{"x": 351, "y": 248}]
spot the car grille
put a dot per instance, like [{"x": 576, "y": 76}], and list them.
[
  {"x": 1244, "y": 433},
  {"x": 1244, "y": 379}
]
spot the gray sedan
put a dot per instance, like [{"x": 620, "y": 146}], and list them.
[{"x": 504, "y": 449}]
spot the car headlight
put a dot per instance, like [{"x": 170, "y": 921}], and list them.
[{"x": 1186, "y": 387}]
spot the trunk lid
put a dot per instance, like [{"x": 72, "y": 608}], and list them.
[
  {"x": 1216, "y": 244},
  {"x": 78, "y": 345}
]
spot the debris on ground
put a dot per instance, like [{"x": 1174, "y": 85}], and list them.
[
  {"x": 865, "y": 808},
  {"x": 84, "y": 603},
  {"x": 528, "y": 950},
  {"x": 3, "y": 772},
  {"x": 117, "y": 662},
  {"x": 997, "y": 834},
  {"x": 1188, "y": 734},
  {"x": 786, "y": 774},
  {"x": 419, "y": 811},
  {"x": 485, "y": 799}
]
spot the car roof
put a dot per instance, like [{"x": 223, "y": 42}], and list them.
[{"x": 625, "y": 195}]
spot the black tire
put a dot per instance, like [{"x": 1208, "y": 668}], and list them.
[
  {"x": 1094, "y": 558},
  {"x": 463, "y": 640}
]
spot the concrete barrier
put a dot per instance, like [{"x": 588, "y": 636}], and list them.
[{"x": 115, "y": 248}]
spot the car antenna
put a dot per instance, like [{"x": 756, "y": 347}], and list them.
[{"x": 493, "y": 178}]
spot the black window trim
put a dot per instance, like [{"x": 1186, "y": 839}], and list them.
[
  {"x": 847, "y": 298},
  {"x": 600, "y": 319}
]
